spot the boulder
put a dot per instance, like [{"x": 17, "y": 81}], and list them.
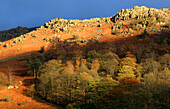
[
  {"x": 10, "y": 87},
  {"x": 16, "y": 87},
  {"x": 6, "y": 45}
]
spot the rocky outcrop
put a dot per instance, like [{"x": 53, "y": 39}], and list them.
[
  {"x": 141, "y": 12},
  {"x": 63, "y": 24}
]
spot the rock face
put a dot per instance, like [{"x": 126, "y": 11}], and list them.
[{"x": 141, "y": 12}]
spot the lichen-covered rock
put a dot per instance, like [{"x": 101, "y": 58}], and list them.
[
  {"x": 107, "y": 20},
  {"x": 6, "y": 45},
  {"x": 114, "y": 31},
  {"x": 100, "y": 25},
  {"x": 16, "y": 87},
  {"x": 130, "y": 30},
  {"x": 125, "y": 35},
  {"x": 63, "y": 29},
  {"x": 99, "y": 30},
  {"x": 10, "y": 87},
  {"x": 95, "y": 37},
  {"x": 15, "y": 41},
  {"x": 46, "y": 39}
]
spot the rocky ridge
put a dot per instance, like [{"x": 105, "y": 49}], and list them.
[
  {"x": 142, "y": 12},
  {"x": 125, "y": 23}
]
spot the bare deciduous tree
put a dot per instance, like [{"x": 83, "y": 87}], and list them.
[{"x": 10, "y": 77}]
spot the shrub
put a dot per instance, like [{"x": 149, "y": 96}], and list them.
[
  {"x": 91, "y": 55},
  {"x": 145, "y": 33},
  {"x": 46, "y": 39},
  {"x": 31, "y": 91},
  {"x": 135, "y": 28},
  {"x": 168, "y": 25},
  {"x": 34, "y": 36},
  {"x": 75, "y": 37},
  {"x": 42, "y": 50},
  {"x": 115, "y": 32},
  {"x": 7, "y": 99},
  {"x": 59, "y": 18},
  {"x": 3, "y": 79}
]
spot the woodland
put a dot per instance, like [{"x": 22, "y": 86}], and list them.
[{"x": 132, "y": 73}]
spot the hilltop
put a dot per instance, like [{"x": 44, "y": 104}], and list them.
[{"x": 126, "y": 23}]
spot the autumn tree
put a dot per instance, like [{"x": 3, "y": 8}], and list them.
[
  {"x": 99, "y": 88},
  {"x": 157, "y": 87},
  {"x": 67, "y": 83},
  {"x": 165, "y": 61},
  {"x": 49, "y": 73},
  {"x": 33, "y": 64},
  {"x": 138, "y": 50},
  {"x": 129, "y": 67},
  {"x": 91, "y": 55},
  {"x": 109, "y": 63},
  {"x": 95, "y": 66},
  {"x": 150, "y": 66}
]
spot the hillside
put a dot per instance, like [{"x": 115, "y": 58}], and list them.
[
  {"x": 95, "y": 62},
  {"x": 12, "y": 33},
  {"x": 128, "y": 24}
]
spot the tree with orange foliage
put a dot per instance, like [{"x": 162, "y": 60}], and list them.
[
  {"x": 128, "y": 83},
  {"x": 95, "y": 65},
  {"x": 129, "y": 67}
]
